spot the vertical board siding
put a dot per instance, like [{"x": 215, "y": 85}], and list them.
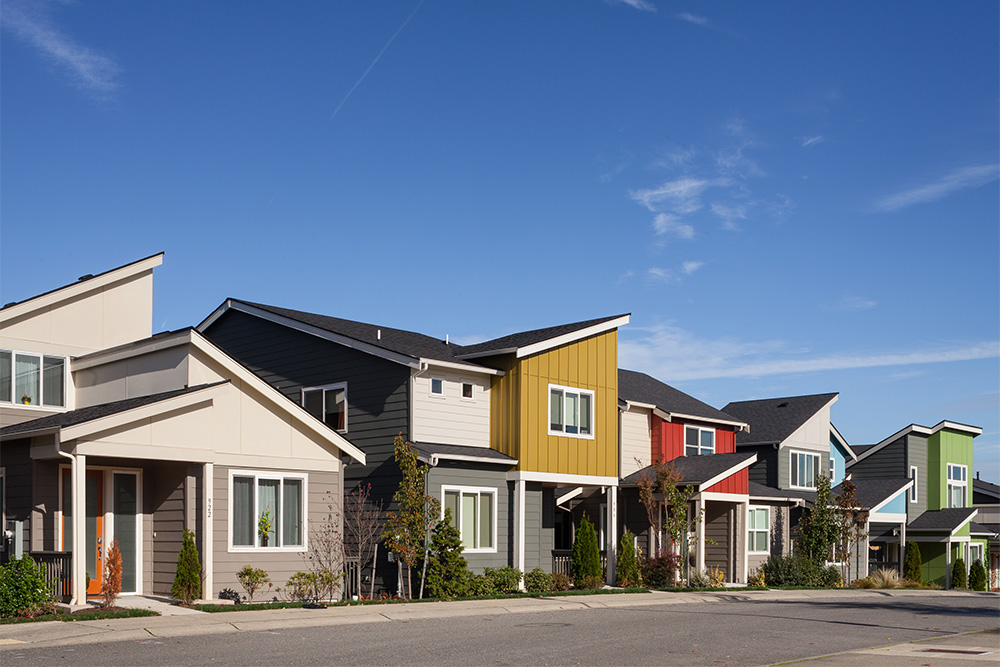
[
  {"x": 735, "y": 483},
  {"x": 635, "y": 440}
]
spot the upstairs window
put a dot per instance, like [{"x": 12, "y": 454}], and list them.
[
  {"x": 804, "y": 470},
  {"x": 957, "y": 484},
  {"x": 437, "y": 387},
  {"x": 698, "y": 441},
  {"x": 328, "y": 404},
  {"x": 571, "y": 412},
  {"x": 913, "y": 489},
  {"x": 32, "y": 379}
]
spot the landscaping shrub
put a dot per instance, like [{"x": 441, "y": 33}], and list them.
[
  {"x": 627, "y": 565},
  {"x": 959, "y": 575},
  {"x": 884, "y": 578},
  {"x": 538, "y": 581},
  {"x": 659, "y": 571},
  {"x": 698, "y": 580},
  {"x": 447, "y": 570},
  {"x": 586, "y": 554},
  {"x": 23, "y": 589},
  {"x": 716, "y": 577},
  {"x": 561, "y": 581},
  {"x": 111, "y": 583},
  {"x": 187, "y": 580},
  {"x": 252, "y": 579},
  {"x": 505, "y": 579},
  {"x": 478, "y": 585},
  {"x": 977, "y": 576},
  {"x": 302, "y": 586},
  {"x": 758, "y": 580},
  {"x": 911, "y": 563},
  {"x": 791, "y": 571},
  {"x": 863, "y": 583},
  {"x": 830, "y": 577},
  {"x": 588, "y": 583}
]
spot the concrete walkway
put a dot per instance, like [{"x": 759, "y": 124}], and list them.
[{"x": 191, "y": 622}]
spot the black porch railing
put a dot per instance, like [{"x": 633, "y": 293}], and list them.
[
  {"x": 57, "y": 566},
  {"x": 352, "y": 577},
  {"x": 562, "y": 562}
]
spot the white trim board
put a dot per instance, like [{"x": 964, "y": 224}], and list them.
[
  {"x": 560, "y": 478},
  {"x": 919, "y": 430}
]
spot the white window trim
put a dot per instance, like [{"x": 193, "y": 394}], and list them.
[
  {"x": 575, "y": 390},
  {"x": 325, "y": 388},
  {"x": 833, "y": 469},
  {"x": 480, "y": 491},
  {"x": 963, "y": 484},
  {"x": 3, "y": 506},
  {"x": 914, "y": 493},
  {"x": 268, "y": 474},
  {"x": 700, "y": 429},
  {"x": 430, "y": 386},
  {"x": 791, "y": 456},
  {"x": 751, "y": 531},
  {"x": 16, "y": 400},
  {"x": 461, "y": 394},
  {"x": 978, "y": 546}
]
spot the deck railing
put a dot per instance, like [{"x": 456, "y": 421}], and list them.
[
  {"x": 57, "y": 566},
  {"x": 562, "y": 562},
  {"x": 352, "y": 577}
]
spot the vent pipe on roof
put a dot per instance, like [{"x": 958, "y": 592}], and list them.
[
  {"x": 446, "y": 341},
  {"x": 378, "y": 334}
]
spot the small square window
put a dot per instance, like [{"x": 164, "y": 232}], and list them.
[
  {"x": 467, "y": 390},
  {"x": 437, "y": 386}
]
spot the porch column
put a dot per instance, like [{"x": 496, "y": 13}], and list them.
[
  {"x": 519, "y": 488},
  {"x": 742, "y": 535},
  {"x": 611, "y": 533},
  {"x": 902, "y": 547},
  {"x": 699, "y": 509},
  {"x": 947, "y": 562},
  {"x": 207, "y": 473},
  {"x": 78, "y": 486}
]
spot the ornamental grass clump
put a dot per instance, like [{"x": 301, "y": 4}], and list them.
[{"x": 884, "y": 578}]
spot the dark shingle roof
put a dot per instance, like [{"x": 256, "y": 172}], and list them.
[
  {"x": 871, "y": 492},
  {"x": 988, "y": 488},
  {"x": 941, "y": 520},
  {"x": 427, "y": 449},
  {"x": 983, "y": 529},
  {"x": 525, "y": 338},
  {"x": 698, "y": 469},
  {"x": 641, "y": 388},
  {"x": 760, "y": 491},
  {"x": 774, "y": 419},
  {"x": 83, "y": 415},
  {"x": 861, "y": 449}
]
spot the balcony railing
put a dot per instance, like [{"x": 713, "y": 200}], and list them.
[
  {"x": 57, "y": 566},
  {"x": 562, "y": 562}
]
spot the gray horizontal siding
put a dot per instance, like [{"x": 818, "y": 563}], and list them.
[
  {"x": 491, "y": 477},
  {"x": 15, "y": 457},
  {"x": 890, "y": 461}
]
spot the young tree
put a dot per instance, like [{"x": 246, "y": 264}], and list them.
[
  {"x": 977, "y": 576},
  {"x": 959, "y": 575},
  {"x": 667, "y": 502},
  {"x": 586, "y": 555},
  {"x": 912, "y": 563},
  {"x": 407, "y": 529},
  {"x": 819, "y": 528},
  {"x": 187, "y": 581},
  {"x": 853, "y": 522},
  {"x": 326, "y": 550},
  {"x": 627, "y": 567},
  {"x": 448, "y": 570},
  {"x": 111, "y": 583},
  {"x": 362, "y": 527}
]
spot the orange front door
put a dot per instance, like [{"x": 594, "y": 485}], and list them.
[{"x": 93, "y": 541}]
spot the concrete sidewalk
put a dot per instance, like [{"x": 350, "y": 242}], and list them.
[{"x": 59, "y": 633}]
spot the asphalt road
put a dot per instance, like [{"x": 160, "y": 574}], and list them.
[{"x": 721, "y": 633}]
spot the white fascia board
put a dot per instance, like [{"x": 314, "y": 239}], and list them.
[
  {"x": 843, "y": 442},
  {"x": 281, "y": 401},
  {"x": 710, "y": 420},
  {"x": 560, "y": 478},
  {"x": 919, "y": 430},
  {"x": 955, "y": 426},
  {"x": 797, "y": 502},
  {"x": 731, "y": 471},
  {"x": 717, "y": 496},
  {"x": 465, "y": 368},
  {"x": 31, "y": 434},
  {"x": 886, "y": 517},
  {"x": 569, "y": 495},
  {"x": 196, "y": 399},
  {"x": 642, "y": 406},
  {"x": 434, "y": 458},
  {"x": 488, "y": 353},
  {"x": 152, "y": 344},
  {"x": 346, "y": 341},
  {"x": 80, "y": 287},
  {"x": 889, "y": 499},
  {"x": 971, "y": 516},
  {"x": 572, "y": 337}
]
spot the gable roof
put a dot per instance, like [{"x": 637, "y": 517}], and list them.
[
  {"x": 986, "y": 488},
  {"x": 701, "y": 471},
  {"x": 919, "y": 430},
  {"x": 526, "y": 343},
  {"x": 83, "y": 415},
  {"x": 762, "y": 492},
  {"x": 84, "y": 284},
  {"x": 431, "y": 452},
  {"x": 639, "y": 388},
  {"x": 842, "y": 442},
  {"x": 948, "y": 520},
  {"x": 772, "y": 420}
]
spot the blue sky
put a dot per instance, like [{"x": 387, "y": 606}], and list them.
[{"x": 788, "y": 198}]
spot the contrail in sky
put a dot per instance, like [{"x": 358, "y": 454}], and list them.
[{"x": 387, "y": 45}]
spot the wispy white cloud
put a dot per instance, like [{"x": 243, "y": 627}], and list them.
[
  {"x": 88, "y": 69},
  {"x": 812, "y": 141},
  {"x": 673, "y": 354},
  {"x": 660, "y": 275},
  {"x": 852, "y": 304},
  {"x": 730, "y": 214},
  {"x": 667, "y": 223},
  {"x": 691, "y": 18},
  {"x": 959, "y": 179},
  {"x": 641, "y": 5},
  {"x": 691, "y": 266},
  {"x": 680, "y": 196}
]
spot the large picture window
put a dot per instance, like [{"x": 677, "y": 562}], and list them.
[
  {"x": 32, "y": 379},
  {"x": 268, "y": 511},
  {"x": 759, "y": 530},
  {"x": 473, "y": 512},
  {"x": 804, "y": 470},
  {"x": 328, "y": 404},
  {"x": 698, "y": 441},
  {"x": 571, "y": 412},
  {"x": 957, "y": 484}
]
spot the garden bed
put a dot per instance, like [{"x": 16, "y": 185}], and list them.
[{"x": 80, "y": 615}]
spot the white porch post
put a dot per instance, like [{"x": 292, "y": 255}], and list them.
[
  {"x": 611, "y": 534},
  {"x": 947, "y": 561},
  {"x": 699, "y": 509},
  {"x": 902, "y": 547},
  {"x": 79, "y": 505},
  {"x": 207, "y": 473},
  {"x": 742, "y": 536},
  {"x": 519, "y": 488}
]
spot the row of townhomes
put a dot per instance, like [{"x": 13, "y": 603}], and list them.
[{"x": 109, "y": 431}]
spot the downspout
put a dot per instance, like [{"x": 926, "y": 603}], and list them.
[{"x": 75, "y": 547}]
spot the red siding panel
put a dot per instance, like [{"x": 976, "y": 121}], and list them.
[
  {"x": 735, "y": 483},
  {"x": 725, "y": 441}
]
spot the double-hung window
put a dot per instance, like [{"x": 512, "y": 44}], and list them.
[
  {"x": 698, "y": 441},
  {"x": 957, "y": 484},
  {"x": 804, "y": 469},
  {"x": 759, "y": 530},
  {"x": 328, "y": 404},
  {"x": 267, "y": 510},
  {"x": 473, "y": 512},
  {"x": 32, "y": 379},
  {"x": 913, "y": 489},
  {"x": 975, "y": 552},
  {"x": 571, "y": 412}
]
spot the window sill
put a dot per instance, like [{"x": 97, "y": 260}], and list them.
[
  {"x": 576, "y": 436},
  {"x": 264, "y": 550}
]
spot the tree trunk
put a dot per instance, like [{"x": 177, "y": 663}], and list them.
[{"x": 371, "y": 596}]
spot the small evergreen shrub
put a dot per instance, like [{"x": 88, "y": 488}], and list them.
[
  {"x": 538, "y": 581},
  {"x": 505, "y": 579},
  {"x": 187, "y": 580},
  {"x": 659, "y": 571},
  {"x": 111, "y": 583},
  {"x": 627, "y": 565},
  {"x": 478, "y": 585},
  {"x": 912, "y": 562},
  {"x": 586, "y": 554},
  {"x": 791, "y": 571},
  {"x": 561, "y": 581},
  {"x": 23, "y": 589},
  {"x": 447, "y": 569},
  {"x": 830, "y": 577},
  {"x": 977, "y": 576},
  {"x": 959, "y": 575},
  {"x": 252, "y": 579}
]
